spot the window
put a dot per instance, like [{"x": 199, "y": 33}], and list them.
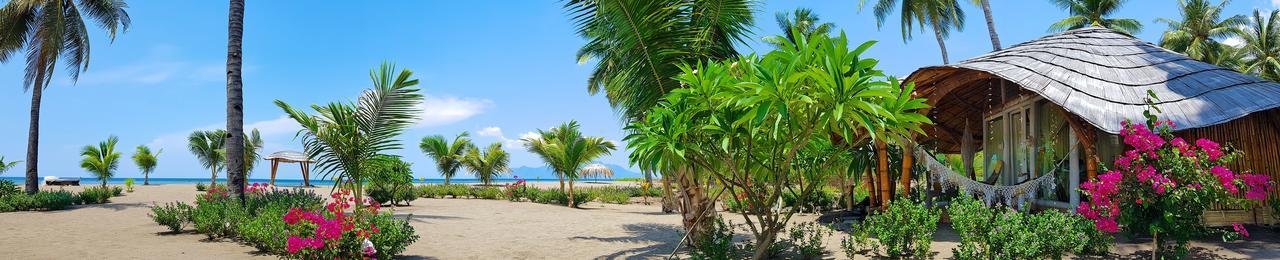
[
  {"x": 993, "y": 149},
  {"x": 1053, "y": 149}
]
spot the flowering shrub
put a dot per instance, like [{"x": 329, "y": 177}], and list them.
[
  {"x": 336, "y": 233},
  {"x": 1163, "y": 185},
  {"x": 517, "y": 190}
]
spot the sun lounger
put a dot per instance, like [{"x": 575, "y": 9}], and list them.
[{"x": 54, "y": 180}]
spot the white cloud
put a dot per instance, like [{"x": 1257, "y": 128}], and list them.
[
  {"x": 438, "y": 111},
  {"x": 529, "y": 135},
  {"x": 1275, "y": 3},
  {"x": 496, "y": 132},
  {"x": 281, "y": 125},
  {"x": 1237, "y": 41},
  {"x": 492, "y": 131}
]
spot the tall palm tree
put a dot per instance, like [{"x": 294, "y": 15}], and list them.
[
  {"x": 208, "y": 147},
  {"x": 638, "y": 46},
  {"x": 448, "y": 156},
  {"x": 51, "y": 31},
  {"x": 252, "y": 151},
  {"x": 1086, "y": 13},
  {"x": 345, "y": 138},
  {"x": 493, "y": 162},
  {"x": 1262, "y": 45},
  {"x": 146, "y": 161},
  {"x": 940, "y": 15},
  {"x": 102, "y": 160},
  {"x": 5, "y": 166},
  {"x": 566, "y": 151},
  {"x": 237, "y": 166},
  {"x": 1197, "y": 34},
  {"x": 991, "y": 23},
  {"x": 802, "y": 21}
]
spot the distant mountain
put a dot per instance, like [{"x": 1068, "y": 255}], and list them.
[{"x": 545, "y": 172}]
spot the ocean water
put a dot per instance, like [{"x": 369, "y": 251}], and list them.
[{"x": 279, "y": 182}]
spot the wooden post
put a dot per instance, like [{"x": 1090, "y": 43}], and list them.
[
  {"x": 1088, "y": 137},
  {"x": 274, "y": 165},
  {"x": 905, "y": 180},
  {"x": 883, "y": 173},
  {"x": 306, "y": 174}
]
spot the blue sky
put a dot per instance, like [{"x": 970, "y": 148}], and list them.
[{"x": 498, "y": 69}]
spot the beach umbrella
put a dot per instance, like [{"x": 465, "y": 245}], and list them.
[{"x": 595, "y": 171}]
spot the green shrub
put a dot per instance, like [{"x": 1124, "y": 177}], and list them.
[
  {"x": 858, "y": 242},
  {"x": 551, "y": 196},
  {"x": 201, "y": 187},
  {"x": 53, "y": 200},
  {"x": 905, "y": 228},
  {"x": 615, "y": 195},
  {"x": 218, "y": 217},
  {"x": 1002, "y": 233},
  {"x": 116, "y": 191},
  {"x": 391, "y": 181},
  {"x": 95, "y": 195},
  {"x": 489, "y": 193},
  {"x": 394, "y": 235},
  {"x": 7, "y": 188},
  {"x": 717, "y": 244},
  {"x": 818, "y": 200},
  {"x": 808, "y": 239},
  {"x": 173, "y": 215},
  {"x": 128, "y": 184},
  {"x": 18, "y": 202},
  {"x": 631, "y": 179}
]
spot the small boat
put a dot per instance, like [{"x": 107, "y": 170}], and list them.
[{"x": 55, "y": 180}]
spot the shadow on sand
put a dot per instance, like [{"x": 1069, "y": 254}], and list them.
[{"x": 663, "y": 236}]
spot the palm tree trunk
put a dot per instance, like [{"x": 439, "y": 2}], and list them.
[
  {"x": 561, "y": 177},
  {"x": 697, "y": 208},
  {"x": 235, "y": 101},
  {"x": 905, "y": 180},
  {"x": 668, "y": 197},
  {"x": 883, "y": 172},
  {"x": 146, "y": 179},
  {"x": 991, "y": 25},
  {"x": 213, "y": 178},
  {"x": 446, "y": 180},
  {"x": 942, "y": 45},
  {"x": 571, "y": 204},
  {"x": 33, "y": 140}
]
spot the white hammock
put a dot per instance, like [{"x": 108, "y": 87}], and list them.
[{"x": 1015, "y": 195}]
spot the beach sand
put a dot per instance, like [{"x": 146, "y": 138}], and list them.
[{"x": 449, "y": 229}]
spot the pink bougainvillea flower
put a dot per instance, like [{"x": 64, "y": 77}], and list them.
[
  {"x": 1240, "y": 229},
  {"x": 1226, "y": 177},
  {"x": 1259, "y": 185},
  {"x": 294, "y": 244},
  {"x": 1212, "y": 149}
]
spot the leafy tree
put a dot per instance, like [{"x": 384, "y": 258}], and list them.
[
  {"x": 803, "y": 21},
  {"x": 146, "y": 161},
  {"x": 207, "y": 146},
  {"x": 102, "y": 160},
  {"x": 939, "y": 15},
  {"x": 1086, "y": 13},
  {"x": 252, "y": 151},
  {"x": 566, "y": 151},
  {"x": 493, "y": 162},
  {"x": 448, "y": 156},
  {"x": 237, "y": 148},
  {"x": 1197, "y": 34},
  {"x": 344, "y": 138},
  {"x": 51, "y": 31},
  {"x": 1262, "y": 45}
]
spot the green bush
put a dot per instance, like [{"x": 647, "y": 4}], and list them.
[
  {"x": 905, "y": 228},
  {"x": 201, "y": 187},
  {"x": 266, "y": 231},
  {"x": 18, "y": 202},
  {"x": 53, "y": 200},
  {"x": 489, "y": 193},
  {"x": 286, "y": 198},
  {"x": 116, "y": 191},
  {"x": 173, "y": 215},
  {"x": 95, "y": 195},
  {"x": 858, "y": 242},
  {"x": 582, "y": 197},
  {"x": 615, "y": 195},
  {"x": 808, "y": 239},
  {"x": 394, "y": 235},
  {"x": 128, "y": 184},
  {"x": 1002, "y": 233},
  {"x": 550, "y": 196},
  {"x": 218, "y": 217},
  {"x": 7, "y": 188},
  {"x": 818, "y": 200},
  {"x": 717, "y": 244},
  {"x": 391, "y": 181}
]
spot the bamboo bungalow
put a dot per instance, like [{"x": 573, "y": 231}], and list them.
[{"x": 1061, "y": 98}]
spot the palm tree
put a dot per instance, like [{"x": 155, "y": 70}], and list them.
[
  {"x": 448, "y": 156},
  {"x": 1262, "y": 45},
  {"x": 566, "y": 151},
  {"x": 345, "y": 138},
  {"x": 4, "y": 167},
  {"x": 49, "y": 30},
  {"x": 939, "y": 15},
  {"x": 207, "y": 146},
  {"x": 1086, "y": 13},
  {"x": 237, "y": 165},
  {"x": 489, "y": 164},
  {"x": 146, "y": 161},
  {"x": 991, "y": 23},
  {"x": 102, "y": 160},
  {"x": 1197, "y": 34},
  {"x": 801, "y": 21},
  {"x": 252, "y": 151}
]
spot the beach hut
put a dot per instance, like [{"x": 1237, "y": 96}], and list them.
[
  {"x": 290, "y": 157},
  {"x": 1054, "y": 106},
  {"x": 595, "y": 171}
]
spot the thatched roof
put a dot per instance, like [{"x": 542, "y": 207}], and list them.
[{"x": 1098, "y": 74}]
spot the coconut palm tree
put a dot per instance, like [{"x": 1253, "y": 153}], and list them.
[
  {"x": 991, "y": 23},
  {"x": 939, "y": 15},
  {"x": 5, "y": 166},
  {"x": 448, "y": 156},
  {"x": 102, "y": 160},
  {"x": 238, "y": 165},
  {"x": 1262, "y": 45},
  {"x": 493, "y": 162},
  {"x": 566, "y": 151},
  {"x": 801, "y": 21},
  {"x": 1086, "y": 13},
  {"x": 252, "y": 151},
  {"x": 207, "y": 146},
  {"x": 52, "y": 31},
  {"x": 1200, "y": 28},
  {"x": 345, "y": 138},
  {"x": 146, "y": 161}
]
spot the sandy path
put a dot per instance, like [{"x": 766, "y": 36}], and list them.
[{"x": 450, "y": 229}]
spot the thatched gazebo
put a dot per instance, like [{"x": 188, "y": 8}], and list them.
[
  {"x": 1063, "y": 97},
  {"x": 595, "y": 171},
  {"x": 290, "y": 157}
]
